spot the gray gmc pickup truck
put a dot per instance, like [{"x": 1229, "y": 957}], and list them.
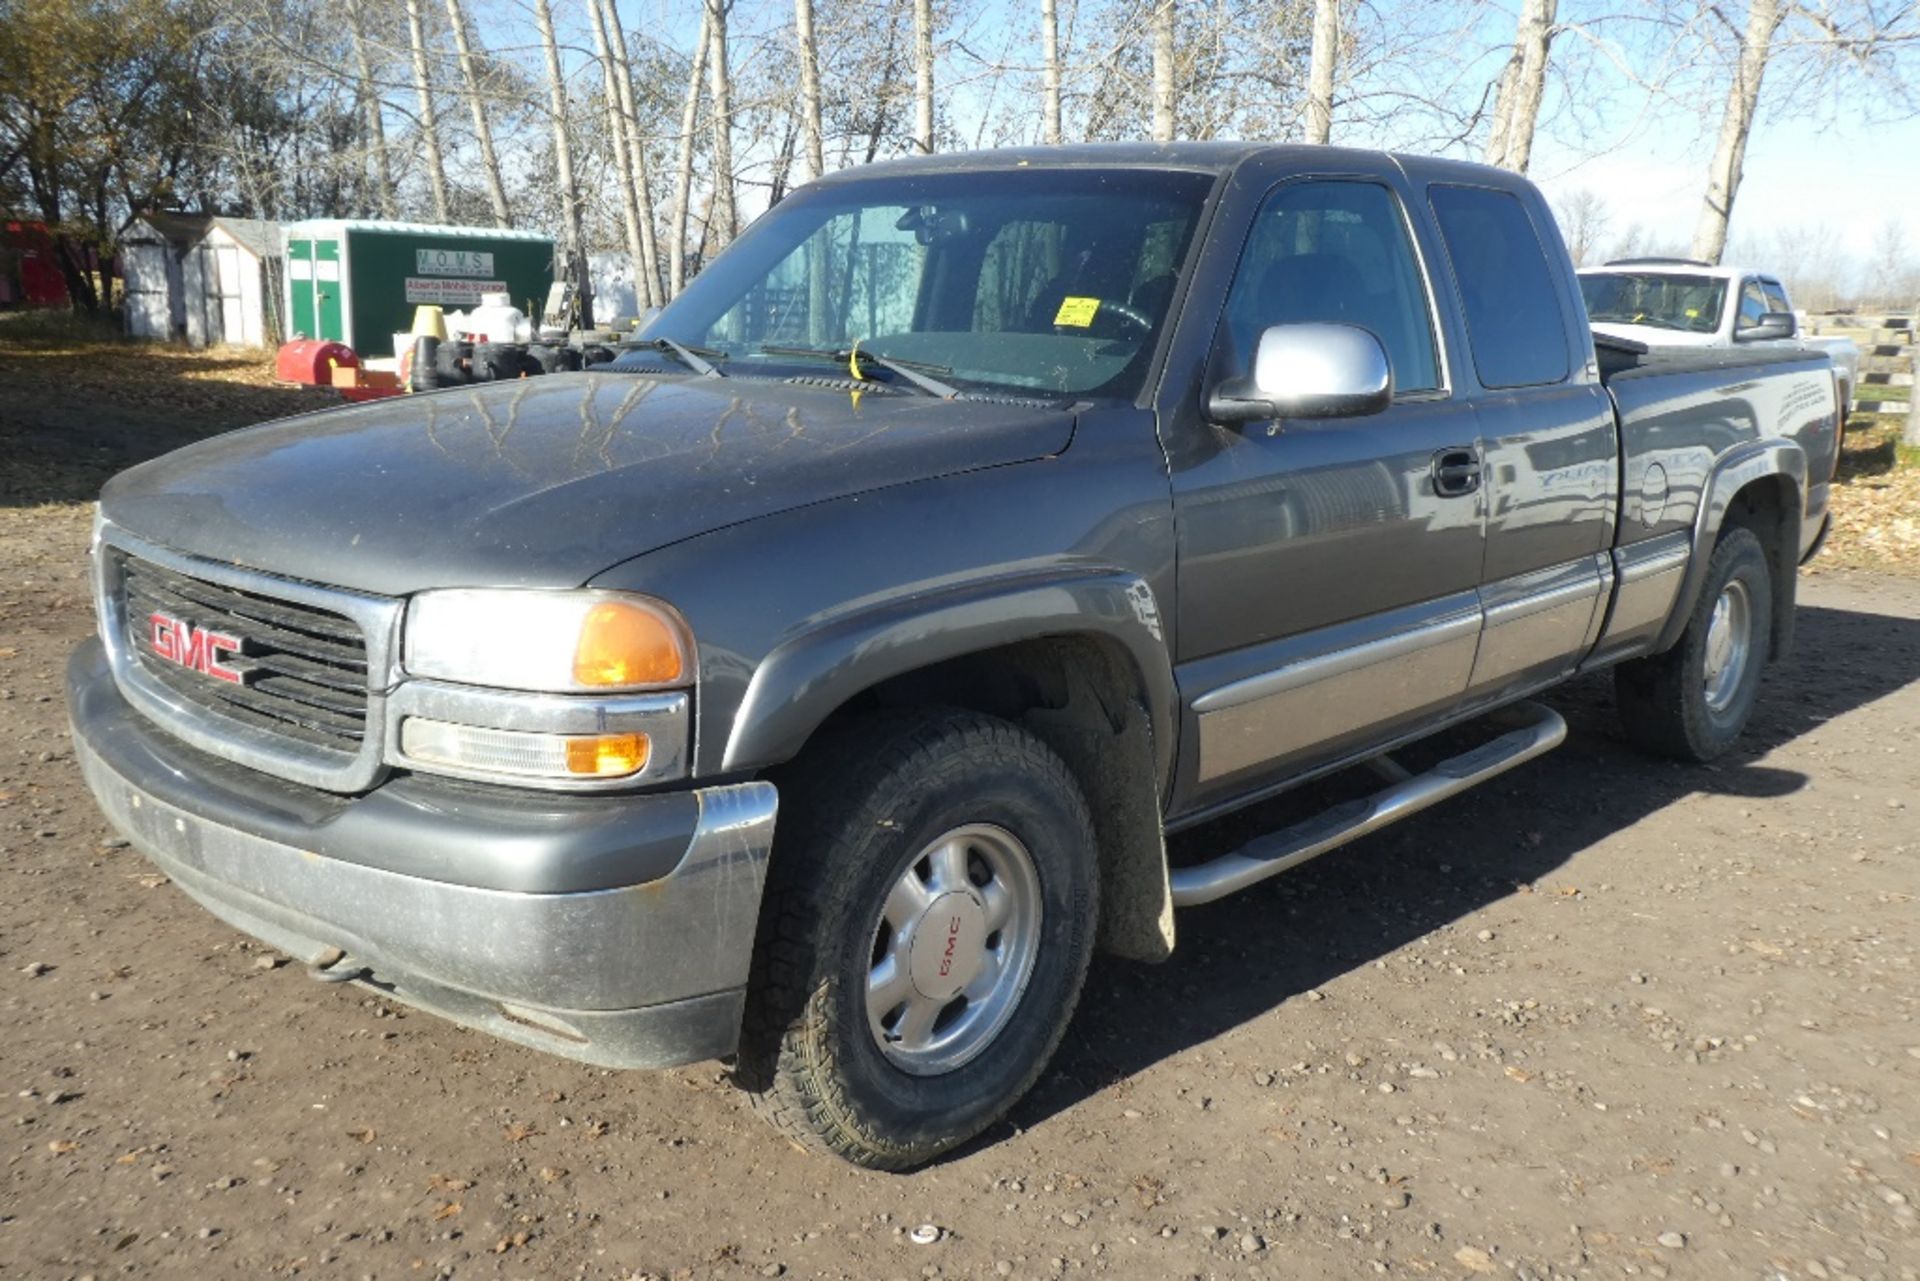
[{"x": 814, "y": 686}]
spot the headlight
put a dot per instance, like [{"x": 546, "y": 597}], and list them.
[
  {"x": 578, "y": 690},
  {"x": 549, "y": 642}
]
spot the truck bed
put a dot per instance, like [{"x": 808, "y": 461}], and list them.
[{"x": 1683, "y": 409}]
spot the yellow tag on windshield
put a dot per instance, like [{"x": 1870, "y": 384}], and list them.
[{"x": 1077, "y": 312}]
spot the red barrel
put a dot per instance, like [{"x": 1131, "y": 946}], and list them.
[{"x": 312, "y": 361}]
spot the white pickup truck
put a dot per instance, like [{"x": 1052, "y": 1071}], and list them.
[{"x": 1682, "y": 302}]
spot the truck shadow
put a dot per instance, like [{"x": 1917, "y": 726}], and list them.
[{"x": 1245, "y": 956}]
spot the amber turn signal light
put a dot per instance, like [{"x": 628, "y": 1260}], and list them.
[
  {"x": 607, "y": 755},
  {"x": 623, "y": 645}
]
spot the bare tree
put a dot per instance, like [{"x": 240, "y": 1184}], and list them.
[
  {"x": 1584, "y": 218},
  {"x": 573, "y": 248},
  {"x": 429, "y": 127},
  {"x": 683, "y": 170},
  {"x": 722, "y": 219},
  {"x": 476, "y": 107},
  {"x": 1325, "y": 53},
  {"x": 923, "y": 75},
  {"x": 1163, "y": 101},
  {"x": 1736, "y": 123},
  {"x": 372, "y": 104},
  {"x": 809, "y": 55},
  {"x": 642, "y": 184},
  {"x": 1516, "y": 109},
  {"x": 1050, "y": 72},
  {"x": 619, "y": 137}
]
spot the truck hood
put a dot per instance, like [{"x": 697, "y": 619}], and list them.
[
  {"x": 546, "y": 481},
  {"x": 1655, "y": 336}
]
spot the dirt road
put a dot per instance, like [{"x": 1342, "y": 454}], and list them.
[{"x": 1604, "y": 1018}]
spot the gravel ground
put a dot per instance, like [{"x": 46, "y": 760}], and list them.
[{"x": 1605, "y": 1017}]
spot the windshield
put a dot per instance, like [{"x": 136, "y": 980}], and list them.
[
  {"x": 1689, "y": 303},
  {"x": 1051, "y": 281}
]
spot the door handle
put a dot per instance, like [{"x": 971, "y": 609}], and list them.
[{"x": 1456, "y": 471}]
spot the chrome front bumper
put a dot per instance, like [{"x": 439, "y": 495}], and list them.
[{"x": 647, "y": 970}]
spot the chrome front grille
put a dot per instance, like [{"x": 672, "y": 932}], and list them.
[
  {"x": 300, "y": 694},
  {"x": 302, "y": 671}
]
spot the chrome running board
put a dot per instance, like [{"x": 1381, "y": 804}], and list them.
[{"x": 1535, "y": 731}]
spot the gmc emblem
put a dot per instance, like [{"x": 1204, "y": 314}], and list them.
[{"x": 197, "y": 648}]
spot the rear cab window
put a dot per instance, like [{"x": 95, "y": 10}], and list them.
[{"x": 1515, "y": 323}]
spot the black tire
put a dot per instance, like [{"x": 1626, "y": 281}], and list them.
[
  {"x": 1663, "y": 701},
  {"x": 855, "y": 815}
]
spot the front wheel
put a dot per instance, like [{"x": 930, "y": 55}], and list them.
[
  {"x": 1692, "y": 702},
  {"x": 929, "y": 921}
]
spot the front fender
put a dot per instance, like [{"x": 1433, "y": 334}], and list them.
[
  {"x": 1733, "y": 472},
  {"x": 810, "y": 675}
]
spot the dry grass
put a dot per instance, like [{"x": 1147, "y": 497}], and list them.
[{"x": 1876, "y": 501}]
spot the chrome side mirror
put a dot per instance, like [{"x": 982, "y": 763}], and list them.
[
  {"x": 1308, "y": 371},
  {"x": 1774, "y": 324}
]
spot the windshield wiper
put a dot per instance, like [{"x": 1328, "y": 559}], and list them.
[
  {"x": 698, "y": 359},
  {"x": 913, "y": 371}
]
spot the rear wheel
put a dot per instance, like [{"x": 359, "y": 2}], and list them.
[
  {"x": 1692, "y": 702},
  {"x": 929, "y": 920}
]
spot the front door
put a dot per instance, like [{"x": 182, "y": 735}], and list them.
[{"x": 1327, "y": 568}]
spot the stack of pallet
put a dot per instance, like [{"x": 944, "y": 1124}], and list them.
[{"x": 1886, "y": 360}]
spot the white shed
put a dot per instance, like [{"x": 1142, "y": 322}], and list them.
[{"x": 202, "y": 278}]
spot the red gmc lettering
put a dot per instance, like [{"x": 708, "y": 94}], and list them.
[
  {"x": 197, "y": 648},
  {"x": 953, "y": 940}
]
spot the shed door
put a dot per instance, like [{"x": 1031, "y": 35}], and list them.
[
  {"x": 300, "y": 288},
  {"x": 145, "y": 268},
  {"x": 224, "y": 287}
]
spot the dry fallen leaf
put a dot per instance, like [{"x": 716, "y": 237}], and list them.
[
  {"x": 367, "y": 1135},
  {"x": 505, "y": 1244},
  {"x": 447, "y": 1183},
  {"x": 446, "y": 1211},
  {"x": 60, "y": 1147},
  {"x": 551, "y": 1174},
  {"x": 519, "y": 1131},
  {"x": 1474, "y": 1259},
  {"x": 1519, "y": 1074}
]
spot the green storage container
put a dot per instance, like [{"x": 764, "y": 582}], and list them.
[{"x": 357, "y": 282}]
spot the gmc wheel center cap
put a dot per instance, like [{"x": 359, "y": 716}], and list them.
[{"x": 948, "y": 944}]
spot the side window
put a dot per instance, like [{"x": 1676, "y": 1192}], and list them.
[
  {"x": 1506, "y": 286},
  {"x": 1753, "y": 305},
  {"x": 1335, "y": 252}
]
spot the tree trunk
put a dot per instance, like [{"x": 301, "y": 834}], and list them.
[
  {"x": 482, "y": 127},
  {"x": 573, "y": 253},
  {"x": 683, "y": 177},
  {"x": 637, "y": 148},
  {"x": 809, "y": 53},
  {"x": 429, "y": 128},
  {"x": 1730, "y": 153},
  {"x": 618, "y": 136},
  {"x": 1163, "y": 14},
  {"x": 923, "y": 75},
  {"x": 383, "y": 193},
  {"x": 1050, "y": 72},
  {"x": 721, "y": 217},
  {"x": 1523, "y": 81},
  {"x": 1326, "y": 52}
]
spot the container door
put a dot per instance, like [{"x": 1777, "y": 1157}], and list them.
[
  {"x": 326, "y": 291},
  {"x": 300, "y": 288}
]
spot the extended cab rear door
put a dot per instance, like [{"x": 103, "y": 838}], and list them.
[{"x": 1546, "y": 427}]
